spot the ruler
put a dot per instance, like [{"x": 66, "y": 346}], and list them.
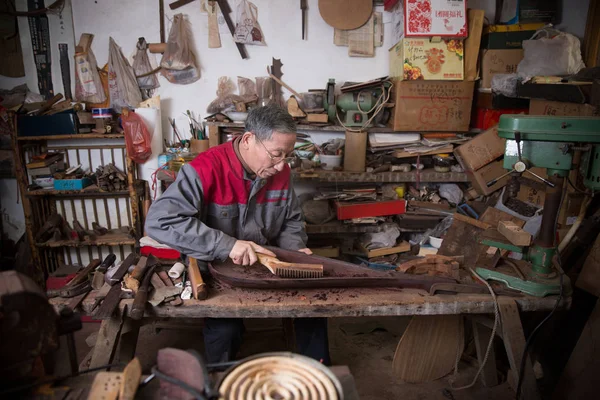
[{"x": 65, "y": 69}]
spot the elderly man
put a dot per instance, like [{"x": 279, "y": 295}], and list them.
[{"x": 228, "y": 202}]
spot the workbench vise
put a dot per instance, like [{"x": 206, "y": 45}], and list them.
[{"x": 559, "y": 144}]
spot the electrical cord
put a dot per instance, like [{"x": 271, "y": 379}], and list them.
[
  {"x": 536, "y": 330},
  {"x": 57, "y": 378},
  {"x": 490, "y": 343}
]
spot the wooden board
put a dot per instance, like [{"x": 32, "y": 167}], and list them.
[
  {"x": 106, "y": 386},
  {"x": 346, "y": 14},
  {"x": 405, "y": 154},
  {"x": 106, "y": 343},
  {"x": 427, "y": 349},
  {"x": 461, "y": 239},
  {"x": 401, "y": 248},
  {"x": 579, "y": 378},
  {"x": 514, "y": 233},
  {"x": 514, "y": 343}
]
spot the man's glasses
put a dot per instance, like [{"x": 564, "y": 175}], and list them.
[{"x": 274, "y": 160}]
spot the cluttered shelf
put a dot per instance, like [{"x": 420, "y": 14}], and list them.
[
  {"x": 303, "y": 127},
  {"x": 90, "y": 191},
  {"x": 111, "y": 238},
  {"x": 426, "y": 175},
  {"x": 76, "y": 136},
  {"x": 339, "y": 227}
]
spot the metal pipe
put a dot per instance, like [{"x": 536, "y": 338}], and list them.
[{"x": 547, "y": 235}]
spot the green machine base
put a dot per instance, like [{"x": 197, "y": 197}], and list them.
[{"x": 535, "y": 285}]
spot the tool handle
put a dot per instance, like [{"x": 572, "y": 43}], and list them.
[
  {"x": 139, "y": 302},
  {"x": 198, "y": 286},
  {"x": 83, "y": 274},
  {"x": 140, "y": 269}
]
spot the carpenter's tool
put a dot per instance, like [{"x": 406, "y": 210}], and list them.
[
  {"x": 303, "y": 7},
  {"x": 139, "y": 303},
  {"x": 82, "y": 276},
  {"x": 114, "y": 295},
  {"x": 225, "y": 10},
  {"x": 198, "y": 286},
  {"x": 290, "y": 270},
  {"x": 167, "y": 281},
  {"x": 69, "y": 291},
  {"x": 546, "y": 142}
]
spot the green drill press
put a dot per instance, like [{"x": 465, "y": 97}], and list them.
[{"x": 551, "y": 143}]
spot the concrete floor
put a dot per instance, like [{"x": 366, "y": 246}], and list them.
[{"x": 365, "y": 345}]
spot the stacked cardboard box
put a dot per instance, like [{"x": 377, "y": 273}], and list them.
[{"x": 434, "y": 81}]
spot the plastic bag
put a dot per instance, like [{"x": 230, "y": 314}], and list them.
[
  {"x": 505, "y": 84},
  {"x": 225, "y": 100},
  {"x": 247, "y": 28},
  {"x": 451, "y": 192},
  {"x": 247, "y": 89},
  {"x": 264, "y": 89},
  {"x": 178, "y": 62},
  {"x": 138, "y": 140},
  {"x": 141, "y": 66},
  {"x": 122, "y": 85},
  {"x": 557, "y": 54},
  {"x": 88, "y": 86}
]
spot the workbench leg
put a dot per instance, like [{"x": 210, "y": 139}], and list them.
[
  {"x": 482, "y": 334},
  {"x": 289, "y": 334},
  {"x": 514, "y": 343},
  {"x": 129, "y": 338},
  {"x": 107, "y": 341}
]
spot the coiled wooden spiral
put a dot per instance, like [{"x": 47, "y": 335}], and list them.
[{"x": 280, "y": 376}]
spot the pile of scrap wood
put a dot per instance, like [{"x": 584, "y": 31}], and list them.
[{"x": 110, "y": 178}]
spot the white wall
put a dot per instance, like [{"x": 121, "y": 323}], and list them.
[{"x": 306, "y": 64}]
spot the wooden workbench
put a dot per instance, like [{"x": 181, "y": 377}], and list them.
[{"x": 228, "y": 302}]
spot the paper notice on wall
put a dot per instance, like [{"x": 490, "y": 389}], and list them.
[
  {"x": 361, "y": 41},
  {"x": 152, "y": 119},
  {"x": 397, "y": 24},
  {"x": 340, "y": 37},
  {"x": 378, "y": 27}
]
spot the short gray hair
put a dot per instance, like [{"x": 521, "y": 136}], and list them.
[{"x": 263, "y": 121}]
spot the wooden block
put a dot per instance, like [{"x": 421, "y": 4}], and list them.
[
  {"x": 514, "y": 233},
  {"x": 322, "y": 118},
  {"x": 401, "y": 248},
  {"x": 106, "y": 386},
  {"x": 198, "y": 286},
  {"x": 330, "y": 252}
]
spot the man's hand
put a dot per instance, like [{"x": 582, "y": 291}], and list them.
[
  {"x": 306, "y": 251},
  {"x": 244, "y": 252}
]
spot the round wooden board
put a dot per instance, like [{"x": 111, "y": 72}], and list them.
[
  {"x": 427, "y": 349},
  {"x": 346, "y": 14}
]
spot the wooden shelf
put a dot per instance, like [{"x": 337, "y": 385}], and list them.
[
  {"x": 112, "y": 238},
  {"x": 315, "y": 128},
  {"x": 91, "y": 191},
  {"x": 426, "y": 175},
  {"x": 77, "y": 136},
  {"x": 339, "y": 227}
]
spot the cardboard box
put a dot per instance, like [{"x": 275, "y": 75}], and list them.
[
  {"x": 472, "y": 42},
  {"x": 418, "y": 59},
  {"x": 498, "y": 62},
  {"x": 558, "y": 108},
  {"x": 431, "y": 106},
  {"x": 532, "y": 195},
  {"x": 435, "y": 18},
  {"x": 480, "y": 178},
  {"x": 480, "y": 150}
]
